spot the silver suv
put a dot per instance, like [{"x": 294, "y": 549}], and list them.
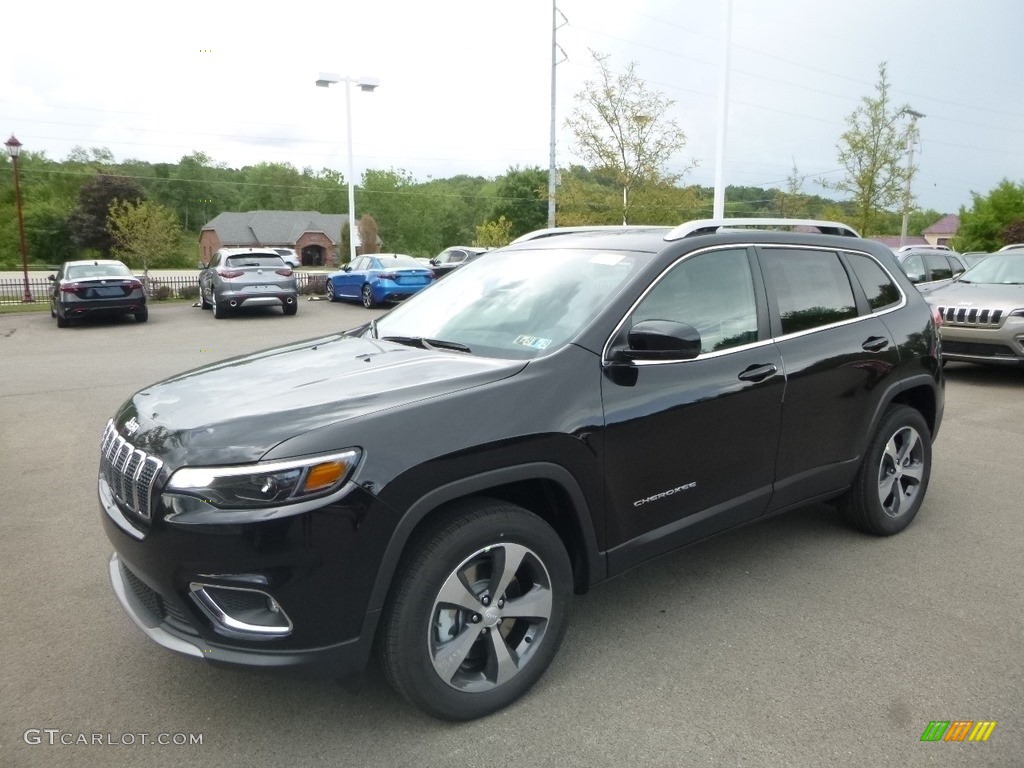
[
  {"x": 983, "y": 311},
  {"x": 247, "y": 277}
]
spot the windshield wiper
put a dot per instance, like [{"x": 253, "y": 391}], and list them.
[{"x": 422, "y": 343}]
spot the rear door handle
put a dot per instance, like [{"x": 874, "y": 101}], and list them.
[
  {"x": 875, "y": 344},
  {"x": 758, "y": 372}
]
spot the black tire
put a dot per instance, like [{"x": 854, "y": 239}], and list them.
[
  {"x": 892, "y": 480},
  {"x": 62, "y": 322},
  {"x": 460, "y": 553},
  {"x": 330, "y": 291},
  {"x": 202, "y": 299},
  {"x": 142, "y": 315},
  {"x": 219, "y": 311},
  {"x": 53, "y": 312},
  {"x": 367, "y": 296},
  {"x": 291, "y": 309}
]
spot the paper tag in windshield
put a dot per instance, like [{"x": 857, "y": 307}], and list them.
[
  {"x": 608, "y": 259},
  {"x": 534, "y": 342}
]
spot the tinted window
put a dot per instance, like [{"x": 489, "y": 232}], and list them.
[
  {"x": 878, "y": 286},
  {"x": 811, "y": 288},
  {"x": 359, "y": 264},
  {"x": 938, "y": 266},
  {"x": 713, "y": 292},
  {"x": 254, "y": 260}
]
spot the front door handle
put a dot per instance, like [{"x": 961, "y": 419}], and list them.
[
  {"x": 758, "y": 372},
  {"x": 875, "y": 344}
]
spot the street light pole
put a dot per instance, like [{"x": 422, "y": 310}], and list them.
[
  {"x": 367, "y": 84},
  {"x": 911, "y": 136},
  {"x": 14, "y": 149}
]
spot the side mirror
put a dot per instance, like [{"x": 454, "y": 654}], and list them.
[
  {"x": 200, "y": 265},
  {"x": 51, "y": 278},
  {"x": 347, "y": 268},
  {"x": 659, "y": 340}
]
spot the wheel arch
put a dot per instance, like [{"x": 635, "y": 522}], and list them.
[{"x": 547, "y": 490}]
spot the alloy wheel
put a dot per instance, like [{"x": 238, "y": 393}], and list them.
[{"x": 900, "y": 471}]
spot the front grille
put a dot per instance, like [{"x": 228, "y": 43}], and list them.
[
  {"x": 128, "y": 471},
  {"x": 154, "y": 603},
  {"x": 971, "y": 316}
]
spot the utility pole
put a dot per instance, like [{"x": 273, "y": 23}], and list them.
[
  {"x": 555, "y": 48},
  {"x": 911, "y": 138}
]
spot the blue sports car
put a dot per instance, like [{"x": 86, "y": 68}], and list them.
[{"x": 377, "y": 278}]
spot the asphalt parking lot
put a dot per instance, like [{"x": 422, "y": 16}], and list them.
[{"x": 795, "y": 642}]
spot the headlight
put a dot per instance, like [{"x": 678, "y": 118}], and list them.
[
  {"x": 257, "y": 486},
  {"x": 1017, "y": 313}
]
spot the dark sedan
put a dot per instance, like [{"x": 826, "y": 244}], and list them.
[
  {"x": 99, "y": 287},
  {"x": 379, "y": 278},
  {"x": 451, "y": 259}
]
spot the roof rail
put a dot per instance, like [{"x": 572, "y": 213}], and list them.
[
  {"x": 710, "y": 226},
  {"x": 583, "y": 229}
]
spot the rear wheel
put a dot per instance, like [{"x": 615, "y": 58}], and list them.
[
  {"x": 891, "y": 483},
  {"x": 219, "y": 311},
  {"x": 479, "y": 611},
  {"x": 62, "y": 322},
  {"x": 367, "y": 295},
  {"x": 291, "y": 309},
  {"x": 142, "y": 315}
]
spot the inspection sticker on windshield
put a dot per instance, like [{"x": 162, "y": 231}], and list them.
[
  {"x": 609, "y": 259},
  {"x": 534, "y": 342}
]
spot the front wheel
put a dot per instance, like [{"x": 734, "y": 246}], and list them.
[
  {"x": 331, "y": 296},
  {"x": 479, "y": 612},
  {"x": 367, "y": 295},
  {"x": 891, "y": 482}
]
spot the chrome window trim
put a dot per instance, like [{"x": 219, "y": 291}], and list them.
[{"x": 605, "y": 361}]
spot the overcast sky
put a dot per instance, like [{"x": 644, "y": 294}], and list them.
[{"x": 465, "y": 84}]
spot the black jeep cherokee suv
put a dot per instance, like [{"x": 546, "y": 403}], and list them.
[{"x": 436, "y": 484}]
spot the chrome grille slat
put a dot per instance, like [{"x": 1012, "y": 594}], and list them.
[
  {"x": 129, "y": 471},
  {"x": 971, "y": 317}
]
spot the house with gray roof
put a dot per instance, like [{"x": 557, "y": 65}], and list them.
[{"x": 314, "y": 236}]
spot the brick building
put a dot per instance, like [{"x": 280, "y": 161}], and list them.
[{"x": 314, "y": 236}]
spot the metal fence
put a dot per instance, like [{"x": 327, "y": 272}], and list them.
[{"x": 12, "y": 290}]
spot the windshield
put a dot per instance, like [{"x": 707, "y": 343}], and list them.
[
  {"x": 999, "y": 268},
  {"x": 514, "y": 304}
]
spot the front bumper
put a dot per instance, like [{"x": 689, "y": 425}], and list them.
[
  {"x": 318, "y": 568},
  {"x": 998, "y": 346}
]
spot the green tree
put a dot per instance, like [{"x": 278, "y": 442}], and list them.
[
  {"x": 871, "y": 151},
  {"x": 145, "y": 234},
  {"x": 494, "y": 234},
  {"x": 981, "y": 227},
  {"x": 88, "y": 220},
  {"x": 521, "y": 198},
  {"x": 272, "y": 187},
  {"x": 623, "y": 128}
]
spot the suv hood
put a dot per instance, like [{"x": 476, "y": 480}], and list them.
[
  {"x": 238, "y": 409},
  {"x": 979, "y": 296}
]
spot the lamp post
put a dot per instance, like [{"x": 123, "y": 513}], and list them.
[
  {"x": 14, "y": 149},
  {"x": 911, "y": 136},
  {"x": 367, "y": 84}
]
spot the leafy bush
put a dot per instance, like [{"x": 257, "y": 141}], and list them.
[
  {"x": 160, "y": 292},
  {"x": 188, "y": 292}
]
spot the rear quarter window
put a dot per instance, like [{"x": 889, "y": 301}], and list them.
[{"x": 878, "y": 286}]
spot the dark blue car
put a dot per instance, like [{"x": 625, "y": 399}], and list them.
[{"x": 378, "y": 278}]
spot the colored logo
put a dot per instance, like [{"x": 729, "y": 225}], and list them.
[{"x": 958, "y": 730}]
